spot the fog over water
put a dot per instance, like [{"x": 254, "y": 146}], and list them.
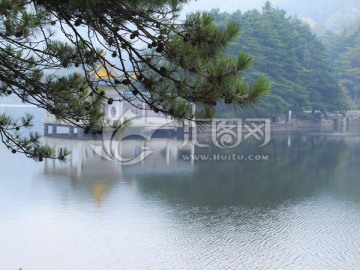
[
  {"x": 297, "y": 210},
  {"x": 291, "y": 204}
]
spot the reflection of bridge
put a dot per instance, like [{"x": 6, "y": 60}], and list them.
[
  {"x": 160, "y": 155},
  {"x": 95, "y": 167}
]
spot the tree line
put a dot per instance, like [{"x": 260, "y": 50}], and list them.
[
  {"x": 201, "y": 60},
  {"x": 305, "y": 74}
]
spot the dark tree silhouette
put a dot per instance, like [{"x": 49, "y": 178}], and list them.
[{"x": 165, "y": 63}]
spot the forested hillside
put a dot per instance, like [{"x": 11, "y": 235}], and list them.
[
  {"x": 344, "y": 50},
  {"x": 292, "y": 57}
]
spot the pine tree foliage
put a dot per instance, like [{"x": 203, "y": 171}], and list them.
[
  {"x": 11, "y": 135},
  {"x": 166, "y": 64}
]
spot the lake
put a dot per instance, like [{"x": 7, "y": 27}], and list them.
[{"x": 291, "y": 204}]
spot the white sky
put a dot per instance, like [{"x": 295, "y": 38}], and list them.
[{"x": 226, "y": 5}]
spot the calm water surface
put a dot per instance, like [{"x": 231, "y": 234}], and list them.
[{"x": 300, "y": 209}]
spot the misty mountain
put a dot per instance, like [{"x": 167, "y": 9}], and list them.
[{"x": 332, "y": 14}]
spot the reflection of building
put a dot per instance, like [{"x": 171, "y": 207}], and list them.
[
  {"x": 132, "y": 109},
  {"x": 95, "y": 169}
]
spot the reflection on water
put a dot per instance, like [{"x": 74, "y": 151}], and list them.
[
  {"x": 297, "y": 210},
  {"x": 295, "y": 167}
]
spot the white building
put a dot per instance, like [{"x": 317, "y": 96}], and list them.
[{"x": 142, "y": 118}]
